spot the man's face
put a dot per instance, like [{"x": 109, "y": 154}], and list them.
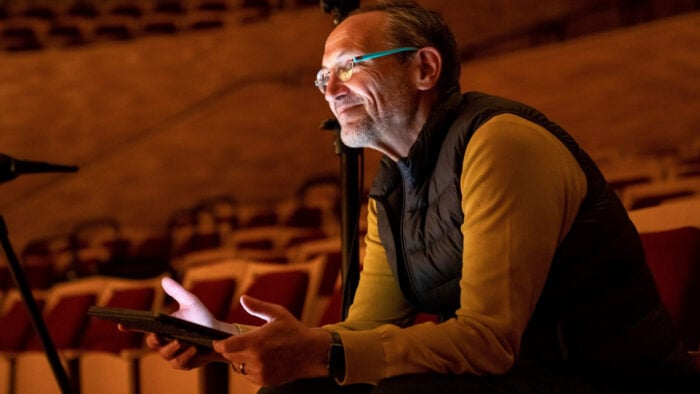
[{"x": 378, "y": 97}]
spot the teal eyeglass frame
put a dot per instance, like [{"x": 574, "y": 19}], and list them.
[{"x": 344, "y": 70}]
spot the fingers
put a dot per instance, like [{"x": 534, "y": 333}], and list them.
[
  {"x": 181, "y": 356},
  {"x": 178, "y": 354},
  {"x": 227, "y": 346},
  {"x": 261, "y": 309},
  {"x": 155, "y": 342},
  {"x": 179, "y": 293}
]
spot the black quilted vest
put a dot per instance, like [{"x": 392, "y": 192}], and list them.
[{"x": 599, "y": 309}]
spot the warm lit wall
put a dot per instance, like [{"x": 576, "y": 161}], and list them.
[{"x": 160, "y": 122}]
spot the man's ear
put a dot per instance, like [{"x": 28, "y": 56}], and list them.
[{"x": 429, "y": 67}]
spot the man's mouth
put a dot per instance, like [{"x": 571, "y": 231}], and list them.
[{"x": 343, "y": 108}]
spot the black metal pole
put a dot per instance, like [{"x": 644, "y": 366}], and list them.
[
  {"x": 351, "y": 188},
  {"x": 349, "y": 183},
  {"x": 38, "y": 323}
]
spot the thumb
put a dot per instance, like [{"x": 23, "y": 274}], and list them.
[
  {"x": 183, "y": 297},
  {"x": 261, "y": 309}
]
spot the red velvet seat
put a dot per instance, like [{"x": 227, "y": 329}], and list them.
[
  {"x": 215, "y": 294},
  {"x": 107, "y": 354},
  {"x": 674, "y": 259},
  {"x": 103, "y": 335},
  {"x": 15, "y": 324},
  {"x": 286, "y": 288},
  {"x": 65, "y": 322}
]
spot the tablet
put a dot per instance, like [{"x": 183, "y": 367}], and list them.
[{"x": 159, "y": 323}]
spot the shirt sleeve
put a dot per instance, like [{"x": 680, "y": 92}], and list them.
[{"x": 521, "y": 189}]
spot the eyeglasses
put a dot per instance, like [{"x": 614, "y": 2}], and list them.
[{"x": 344, "y": 70}]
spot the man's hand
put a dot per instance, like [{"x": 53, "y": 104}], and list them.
[
  {"x": 181, "y": 355},
  {"x": 278, "y": 352},
  {"x": 191, "y": 308}
]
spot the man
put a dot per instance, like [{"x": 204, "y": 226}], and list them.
[{"x": 483, "y": 212}]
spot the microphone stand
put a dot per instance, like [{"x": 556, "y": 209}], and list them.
[
  {"x": 350, "y": 186},
  {"x": 11, "y": 168},
  {"x": 38, "y": 323}
]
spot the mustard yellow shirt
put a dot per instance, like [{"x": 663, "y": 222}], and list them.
[{"x": 522, "y": 189}]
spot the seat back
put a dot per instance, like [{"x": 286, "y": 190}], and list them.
[
  {"x": 102, "y": 335},
  {"x": 65, "y": 313},
  {"x": 15, "y": 323},
  {"x": 674, "y": 259},
  {"x": 215, "y": 284},
  {"x": 292, "y": 286},
  {"x": 670, "y": 233}
]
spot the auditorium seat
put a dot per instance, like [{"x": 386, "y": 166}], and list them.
[
  {"x": 107, "y": 358},
  {"x": 15, "y": 323},
  {"x": 118, "y": 25},
  {"x": 70, "y": 31},
  {"x": 5, "y": 375},
  {"x": 333, "y": 311},
  {"x": 202, "y": 18},
  {"x": 671, "y": 239},
  {"x": 82, "y": 8},
  {"x": 650, "y": 194},
  {"x": 254, "y": 10},
  {"x": 149, "y": 255},
  {"x": 215, "y": 284},
  {"x": 306, "y": 217},
  {"x": 291, "y": 285},
  {"x": 22, "y": 34},
  {"x": 192, "y": 229},
  {"x": 674, "y": 258},
  {"x": 622, "y": 172},
  {"x": 65, "y": 316},
  {"x": 224, "y": 211},
  {"x": 262, "y": 217},
  {"x": 96, "y": 244},
  {"x": 269, "y": 243},
  {"x": 330, "y": 250},
  {"x": 15, "y": 330},
  {"x": 206, "y": 14},
  {"x": 667, "y": 216},
  {"x": 164, "y": 16},
  {"x": 43, "y": 10}
]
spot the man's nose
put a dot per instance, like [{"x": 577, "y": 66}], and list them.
[{"x": 335, "y": 88}]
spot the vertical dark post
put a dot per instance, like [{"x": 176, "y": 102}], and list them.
[
  {"x": 350, "y": 183},
  {"x": 350, "y": 187},
  {"x": 39, "y": 325}
]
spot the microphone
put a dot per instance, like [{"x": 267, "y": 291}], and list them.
[{"x": 11, "y": 168}]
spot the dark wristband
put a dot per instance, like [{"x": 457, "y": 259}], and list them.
[{"x": 336, "y": 358}]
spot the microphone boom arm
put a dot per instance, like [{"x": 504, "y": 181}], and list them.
[{"x": 11, "y": 168}]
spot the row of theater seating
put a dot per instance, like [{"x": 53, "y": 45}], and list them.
[
  {"x": 103, "y": 246},
  {"x": 105, "y": 361},
  {"x": 101, "y": 359},
  {"x": 647, "y": 179},
  {"x": 306, "y": 285},
  {"x": 288, "y": 253},
  {"x": 37, "y": 24},
  {"x": 670, "y": 234}
]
